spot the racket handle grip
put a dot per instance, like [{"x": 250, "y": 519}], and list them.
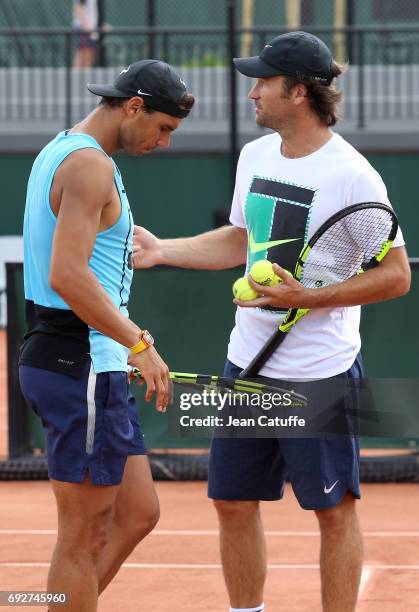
[{"x": 135, "y": 372}]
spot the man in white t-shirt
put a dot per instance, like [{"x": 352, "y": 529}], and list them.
[{"x": 287, "y": 184}]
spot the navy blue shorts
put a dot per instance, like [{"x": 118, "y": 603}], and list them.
[
  {"x": 91, "y": 423},
  {"x": 85, "y": 41},
  {"x": 321, "y": 470}
]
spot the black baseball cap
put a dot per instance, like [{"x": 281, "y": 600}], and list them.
[
  {"x": 297, "y": 54},
  {"x": 160, "y": 86}
]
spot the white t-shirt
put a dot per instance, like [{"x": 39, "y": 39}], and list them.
[
  {"x": 91, "y": 12},
  {"x": 282, "y": 202}
]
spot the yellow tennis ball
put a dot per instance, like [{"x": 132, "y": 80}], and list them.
[
  {"x": 262, "y": 272},
  {"x": 243, "y": 291}
]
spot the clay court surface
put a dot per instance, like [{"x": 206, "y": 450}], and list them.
[{"x": 177, "y": 567}]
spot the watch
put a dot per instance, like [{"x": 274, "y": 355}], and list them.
[{"x": 146, "y": 340}]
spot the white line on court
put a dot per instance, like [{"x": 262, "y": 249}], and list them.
[
  {"x": 210, "y": 532},
  {"x": 365, "y": 576},
  {"x": 218, "y": 566},
  {"x": 39, "y": 532},
  {"x": 292, "y": 534}
]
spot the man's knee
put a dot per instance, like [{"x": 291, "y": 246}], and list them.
[
  {"x": 137, "y": 523},
  {"x": 338, "y": 517},
  {"x": 236, "y": 511},
  {"x": 146, "y": 522},
  {"x": 86, "y": 535}
]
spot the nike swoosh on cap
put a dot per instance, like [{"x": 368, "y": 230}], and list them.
[
  {"x": 143, "y": 93},
  {"x": 255, "y": 247}
]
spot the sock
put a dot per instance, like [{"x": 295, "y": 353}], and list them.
[{"x": 257, "y": 609}]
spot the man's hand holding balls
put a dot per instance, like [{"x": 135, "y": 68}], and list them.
[{"x": 252, "y": 288}]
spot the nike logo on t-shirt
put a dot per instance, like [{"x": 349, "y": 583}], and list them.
[{"x": 255, "y": 247}]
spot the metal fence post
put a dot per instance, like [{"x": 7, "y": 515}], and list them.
[
  {"x": 19, "y": 435},
  {"x": 101, "y": 54},
  {"x": 151, "y": 21},
  {"x": 350, "y": 21},
  {"x": 361, "y": 76},
  {"x": 166, "y": 47},
  {"x": 231, "y": 14},
  {"x": 68, "y": 84}
]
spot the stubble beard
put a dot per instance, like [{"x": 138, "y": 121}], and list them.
[
  {"x": 263, "y": 120},
  {"x": 270, "y": 122}
]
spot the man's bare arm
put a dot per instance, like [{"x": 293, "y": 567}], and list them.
[
  {"x": 389, "y": 280},
  {"x": 87, "y": 179},
  {"x": 225, "y": 247},
  {"x": 87, "y": 184}
]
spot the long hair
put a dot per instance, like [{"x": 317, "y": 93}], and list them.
[{"x": 324, "y": 100}]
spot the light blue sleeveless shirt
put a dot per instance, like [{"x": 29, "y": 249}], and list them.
[{"x": 110, "y": 261}]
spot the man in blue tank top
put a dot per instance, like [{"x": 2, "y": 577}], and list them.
[{"x": 73, "y": 366}]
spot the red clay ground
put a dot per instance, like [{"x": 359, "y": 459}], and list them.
[{"x": 177, "y": 567}]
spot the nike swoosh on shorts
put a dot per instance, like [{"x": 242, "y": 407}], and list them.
[{"x": 328, "y": 490}]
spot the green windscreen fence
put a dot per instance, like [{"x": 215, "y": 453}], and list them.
[{"x": 191, "y": 315}]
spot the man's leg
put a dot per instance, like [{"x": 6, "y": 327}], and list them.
[
  {"x": 85, "y": 513},
  {"x": 243, "y": 551},
  {"x": 340, "y": 556},
  {"x": 136, "y": 514},
  {"x": 240, "y": 469},
  {"x": 84, "y": 57}
]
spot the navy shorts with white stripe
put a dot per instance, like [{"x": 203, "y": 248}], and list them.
[{"x": 91, "y": 423}]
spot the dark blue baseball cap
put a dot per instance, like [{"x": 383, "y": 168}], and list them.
[
  {"x": 298, "y": 54},
  {"x": 156, "y": 82}
]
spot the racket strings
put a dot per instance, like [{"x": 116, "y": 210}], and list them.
[{"x": 346, "y": 246}]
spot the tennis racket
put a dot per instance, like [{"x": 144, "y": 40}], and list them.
[
  {"x": 350, "y": 242},
  {"x": 227, "y": 385}
]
